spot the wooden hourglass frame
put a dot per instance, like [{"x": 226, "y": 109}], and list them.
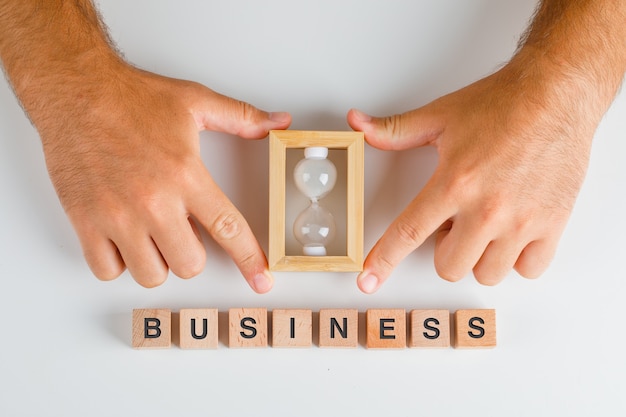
[{"x": 353, "y": 144}]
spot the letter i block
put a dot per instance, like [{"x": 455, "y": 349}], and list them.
[
  {"x": 198, "y": 328},
  {"x": 386, "y": 328},
  {"x": 339, "y": 328},
  {"x": 475, "y": 328},
  {"x": 152, "y": 329},
  {"x": 430, "y": 329},
  {"x": 292, "y": 328},
  {"x": 247, "y": 327}
]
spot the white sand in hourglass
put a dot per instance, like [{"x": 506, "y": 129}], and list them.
[{"x": 315, "y": 176}]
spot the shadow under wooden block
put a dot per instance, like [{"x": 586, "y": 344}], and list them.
[
  {"x": 152, "y": 329},
  {"x": 429, "y": 329},
  {"x": 198, "y": 328},
  {"x": 351, "y": 257},
  {"x": 292, "y": 328},
  {"x": 247, "y": 327},
  {"x": 475, "y": 329},
  {"x": 386, "y": 328},
  {"x": 338, "y": 328}
]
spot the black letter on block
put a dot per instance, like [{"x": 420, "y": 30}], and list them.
[
  {"x": 205, "y": 324},
  {"x": 427, "y": 326},
  {"x": 292, "y": 322},
  {"x": 251, "y": 335},
  {"x": 481, "y": 331},
  {"x": 151, "y": 324},
  {"x": 383, "y": 328},
  {"x": 334, "y": 324}
]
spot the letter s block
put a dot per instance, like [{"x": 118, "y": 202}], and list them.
[
  {"x": 475, "y": 329},
  {"x": 247, "y": 327},
  {"x": 429, "y": 329},
  {"x": 152, "y": 329}
]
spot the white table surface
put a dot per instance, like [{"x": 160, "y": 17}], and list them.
[{"x": 65, "y": 337}]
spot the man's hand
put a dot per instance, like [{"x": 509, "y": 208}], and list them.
[
  {"x": 128, "y": 172},
  {"x": 513, "y": 150},
  {"x": 122, "y": 146}
]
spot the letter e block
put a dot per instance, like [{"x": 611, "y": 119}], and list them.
[
  {"x": 475, "y": 329},
  {"x": 198, "y": 328},
  {"x": 152, "y": 329},
  {"x": 339, "y": 328},
  {"x": 292, "y": 328},
  {"x": 429, "y": 329},
  {"x": 247, "y": 327},
  {"x": 386, "y": 328}
]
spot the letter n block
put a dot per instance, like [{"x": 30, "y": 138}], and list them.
[
  {"x": 198, "y": 328},
  {"x": 386, "y": 328},
  {"x": 247, "y": 327},
  {"x": 152, "y": 329},
  {"x": 429, "y": 329},
  {"x": 339, "y": 328},
  {"x": 292, "y": 328},
  {"x": 475, "y": 329}
]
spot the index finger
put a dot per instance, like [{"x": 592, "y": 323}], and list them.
[
  {"x": 421, "y": 218},
  {"x": 217, "y": 214}
]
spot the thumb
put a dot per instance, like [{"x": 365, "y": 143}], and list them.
[
  {"x": 401, "y": 131},
  {"x": 220, "y": 113}
]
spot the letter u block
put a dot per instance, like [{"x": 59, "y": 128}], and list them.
[
  {"x": 198, "y": 328},
  {"x": 247, "y": 327},
  {"x": 386, "y": 328},
  {"x": 475, "y": 329},
  {"x": 152, "y": 329}
]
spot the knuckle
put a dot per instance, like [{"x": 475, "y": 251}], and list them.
[
  {"x": 393, "y": 125},
  {"x": 409, "y": 234},
  {"x": 227, "y": 226},
  {"x": 191, "y": 267}
]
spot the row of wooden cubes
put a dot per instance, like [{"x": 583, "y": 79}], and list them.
[{"x": 338, "y": 328}]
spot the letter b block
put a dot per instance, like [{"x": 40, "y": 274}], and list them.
[
  {"x": 247, "y": 327},
  {"x": 475, "y": 328},
  {"x": 386, "y": 329},
  {"x": 152, "y": 329}
]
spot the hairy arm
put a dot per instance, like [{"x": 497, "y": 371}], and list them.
[
  {"x": 513, "y": 149},
  {"x": 121, "y": 146}
]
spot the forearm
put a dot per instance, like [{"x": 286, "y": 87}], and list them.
[
  {"x": 581, "y": 43},
  {"x": 50, "y": 48}
]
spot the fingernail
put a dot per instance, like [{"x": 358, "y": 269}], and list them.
[
  {"x": 362, "y": 116},
  {"x": 368, "y": 283},
  {"x": 279, "y": 117},
  {"x": 262, "y": 283}
]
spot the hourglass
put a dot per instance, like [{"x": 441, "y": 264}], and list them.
[
  {"x": 303, "y": 233},
  {"x": 315, "y": 176}
]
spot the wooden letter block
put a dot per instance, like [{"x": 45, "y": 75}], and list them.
[
  {"x": 247, "y": 327},
  {"x": 386, "y": 329},
  {"x": 152, "y": 329},
  {"x": 292, "y": 328},
  {"x": 198, "y": 328},
  {"x": 339, "y": 328},
  {"x": 475, "y": 328},
  {"x": 430, "y": 329}
]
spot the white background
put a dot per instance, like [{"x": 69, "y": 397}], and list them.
[{"x": 65, "y": 337}]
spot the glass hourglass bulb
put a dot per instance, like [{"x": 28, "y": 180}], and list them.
[
  {"x": 315, "y": 175},
  {"x": 314, "y": 228}
]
